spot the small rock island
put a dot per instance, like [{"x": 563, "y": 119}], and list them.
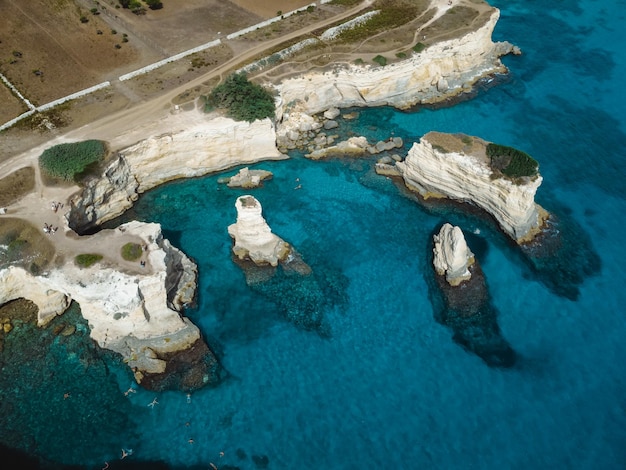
[{"x": 465, "y": 304}]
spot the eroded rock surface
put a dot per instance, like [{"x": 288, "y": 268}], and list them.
[
  {"x": 464, "y": 174},
  {"x": 452, "y": 257},
  {"x": 135, "y": 315},
  {"x": 253, "y": 237}
]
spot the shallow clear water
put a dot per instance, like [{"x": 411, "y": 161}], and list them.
[{"x": 383, "y": 384}]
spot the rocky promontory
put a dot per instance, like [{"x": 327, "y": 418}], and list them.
[
  {"x": 204, "y": 147},
  {"x": 457, "y": 166},
  {"x": 136, "y": 315}
]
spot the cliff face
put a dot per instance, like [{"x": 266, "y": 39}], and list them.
[
  {"x": 435, "y": 172},
  {"x": 441, "y": 70},
  {"x": 134, "y": 315},
  {"x": 202, "y": 148}
]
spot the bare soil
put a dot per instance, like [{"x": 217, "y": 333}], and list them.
[
  {"x": 47, "y": 53},
  {"x": 267, "y": 9},
  {"x": 16, "y": 185},
  {"x": 12, "y": 106}
]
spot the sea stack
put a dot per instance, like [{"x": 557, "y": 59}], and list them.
[
  {"x": 452, "y": 257},
  {"x": 464, "y": 304},
  {"x": 469, "y": 169},
  {"x": 253, "y": 238}
]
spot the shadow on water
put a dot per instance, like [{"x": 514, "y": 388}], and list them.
[{"x": 467, "y": 310}]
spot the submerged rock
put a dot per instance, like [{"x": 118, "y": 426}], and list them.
[{"x": 275, "y": 269}]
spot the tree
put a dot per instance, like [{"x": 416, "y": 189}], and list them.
[{"x": 244, "y": 100}]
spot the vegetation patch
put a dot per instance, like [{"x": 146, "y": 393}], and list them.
[
  {"x": 393, "y": 13},
  {"x": 380, "y": 60},
  {"x": 346, "y": 3},
  {"x": 242, "y": 99},
  {"x": 131, "y": 251},
  {"x": 70, "y": 162},
  {"x": 86, "y": 260},
  {"x": 419, "y": 47},
  {"x": 511, "y": 162}
]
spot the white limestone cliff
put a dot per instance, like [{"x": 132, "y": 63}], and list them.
[
  {"x": 204, "y": 147},
  {"x": 458, "y": 63},
  {"x": 132, "y": 314},
  {"x": 253, "y": 237},
  {"x": 451, "y": 255},
  {"x": 467, "y": 177}
]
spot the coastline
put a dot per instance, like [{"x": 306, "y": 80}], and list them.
[{"x": 105, "y": 198}]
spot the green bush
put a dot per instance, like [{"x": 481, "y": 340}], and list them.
[
  {"x": 154, "y": 4},
  {"x": 511, "y": 162},
  {"x": 380, "y": 60},
  {"x": 131, "y": 251},
  {"x": 70, "y": 161},
  {"x": 419, "y": 47},
  {"x": 87, "y": 259},
  {"x": 244, "y": 100}
]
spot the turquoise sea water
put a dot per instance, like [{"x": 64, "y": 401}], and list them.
[{"x": 381, "y": 383}]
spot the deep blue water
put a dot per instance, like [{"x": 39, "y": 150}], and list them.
[{"x": 383, "y": 384}]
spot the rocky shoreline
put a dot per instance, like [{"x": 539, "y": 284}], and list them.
[{"x": 139, "y": 316}]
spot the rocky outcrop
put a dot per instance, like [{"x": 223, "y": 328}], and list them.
[
  {"x": 442, "y": 70},
  {"x": 204, "y": 147},
  {"x": 253, "y": 238},
  {"x": 456, "y": 167},
  {"x": 135, "y": 315},
  {"x": 452, "y": 257},
  {"x": 247, "y": 178},
  {"x": 462, "y": 300}
]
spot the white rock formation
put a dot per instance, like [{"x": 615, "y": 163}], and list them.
[
  {"x": 247, "y": 178},
  {"x": 354, "y": 146},
  {"x": 131, "y": 314},
  {"x": 452, "y": 257},
  {"x": 254, "y": 239},
  {"x": 208, "y": 146},
  {"x": 441, "y": 70},
  {"x": 433, "y": 172}
]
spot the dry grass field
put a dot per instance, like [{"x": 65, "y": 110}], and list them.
[
  {"x": 11, "y": 105},
  {"x": 269, "y": 8},
  {"x": 47, "y": 52}
]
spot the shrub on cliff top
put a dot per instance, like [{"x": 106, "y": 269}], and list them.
[
  {"x": 69, "y": 161},
  {"x": 131, "y": 251},
  {"x": 511, "y": 162},
  {"x": 244, "y": 100},
  {"x": 87, "y": 259}
]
